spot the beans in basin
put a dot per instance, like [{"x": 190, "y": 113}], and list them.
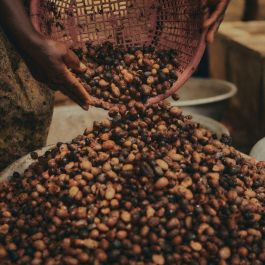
[{"x": 149, "y": 188}]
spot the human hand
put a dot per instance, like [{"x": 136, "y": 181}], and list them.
[
  {"x": 50, "y": 61},
  {"x": 217, "y": 11}
]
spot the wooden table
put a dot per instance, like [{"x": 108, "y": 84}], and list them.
[{"x": 238, "y": 55}]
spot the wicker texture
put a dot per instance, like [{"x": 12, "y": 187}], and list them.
[{"x": 161, "y": 23}]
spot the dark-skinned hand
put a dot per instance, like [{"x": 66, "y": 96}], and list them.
[
  {"x": 49, "y": 61},
  {"x": 217, "y": 12}
]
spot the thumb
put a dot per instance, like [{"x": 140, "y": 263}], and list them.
[
  {"x": 72, "y": 61},
  {"x": 220, "y": 7},
  {"x": 211, "y": 33}
]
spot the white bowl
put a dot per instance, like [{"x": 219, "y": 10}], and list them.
[
  {"x": 70, "y": 120},
  {"x": 208, "y": 97},
  {"x": 210, "y": 124},
  {"x": 21, "y": 164},
  {"x": 258, "y": 151}
]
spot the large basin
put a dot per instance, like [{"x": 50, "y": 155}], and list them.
[
  {"x": 258, "y": 151},
  {"x": 208, "y": 97},
  {"x": 70, "y": 121}
]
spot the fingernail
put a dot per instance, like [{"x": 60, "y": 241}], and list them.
[
  {"x": 85, "y": 107},
  {"x": 82, "y": 67}
]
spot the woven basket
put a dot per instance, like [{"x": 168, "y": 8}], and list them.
[{"x": 163, "y": 24}]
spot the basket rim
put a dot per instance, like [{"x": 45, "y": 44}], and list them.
[
  {"x": 213, "y": 99},
  {"x": 187, "y": 73}
]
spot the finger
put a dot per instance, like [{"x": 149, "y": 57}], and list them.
[
  {"x": 69, "y": 94},
  {"x": 73, "y": 97},
  {"x": 211, "y": 33},
  {"x": 73, "y": 85},
  {"x": 72, "y": 61},
  {"x": 220, "y": 9}
]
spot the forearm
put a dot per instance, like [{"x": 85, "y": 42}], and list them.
[{"x": 17, "y": 26}]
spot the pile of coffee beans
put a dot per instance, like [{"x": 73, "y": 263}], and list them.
[
  {"x": 148, "y": 188},
  {"x": 120, "y": 75}
]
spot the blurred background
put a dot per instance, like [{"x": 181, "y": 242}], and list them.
[
  {"x": 238, "y": 56},
  {"x": 227, "y": 93}
]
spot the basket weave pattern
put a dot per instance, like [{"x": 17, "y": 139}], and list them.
[{"x": 163, "y": 24}]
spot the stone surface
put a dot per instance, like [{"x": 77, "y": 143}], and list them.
[{"x": 26, "y": 107}]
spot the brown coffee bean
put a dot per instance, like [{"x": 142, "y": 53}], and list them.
[
  {"x": 150, "y": 212},
  {"x": 156, "y": 66},
  {"x": 90, "y": 244},
  {"x": 81, "y": 212},
  {"x": 83, "y": 257},
  {"x": 175, "y": 97},
  {"x": 3, "y": 252},
  {"x": 161, "y": 163},
  {"x": 137, "y": 250},
  {"x": 126, "y": 216},
  {"x": 196, "y": 246},
  {"x": 128, "y": 77},
  {"x": 73, "y": 191},
  {"x": 39, "y": 245},
  {"x": 154, "y": 221},
  {"x": 70, "y": 260},
  {"x": 146, "y": 90},
  {"x": 40, "y": 188},
  {"x": 147, "y": 170},
  {"x": 175, "y": 111},
  {"x": 122, "y": 234},
  {"x": 129, "y": 58},
  {"x": 86, "y": 165},
  {"x": 102, "y": 228},
  {"x": 115, "y": 90},
  {"x": 158, "y": 259},
  {"x": 127, "y": 167},
  {"x": 110, "y": 193},
  {"x": 108, "y": 145},
  {"x": 173, "y": 223},
  {"x": 103, "y": 83},
  {"x": 150, "y": 80},
  {"x": 161, "y": 183},
  {"x": 165, "y": 71},
  {"x": 101, "y": 256},
  {"x": 225, "y": 253}
]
